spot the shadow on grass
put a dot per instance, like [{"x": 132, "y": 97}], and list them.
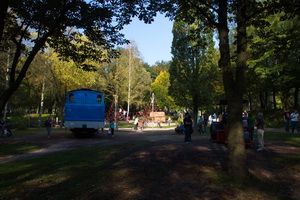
[{"x": 140, "y": 170}]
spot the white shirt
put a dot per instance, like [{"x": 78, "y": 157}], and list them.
[
  {"x": 294, "y": 117},
  {"x": 136, "y": 121}
]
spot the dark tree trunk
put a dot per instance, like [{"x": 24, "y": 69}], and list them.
[
  {"x": 3, "y": 11},
  {"x": 266, "y": 99},
  {"x": 262, "y": 102},
  {"x": 234, "y": 87},
  {"x": 296, "y": 97},
  {"x": 285, "y": 98}
]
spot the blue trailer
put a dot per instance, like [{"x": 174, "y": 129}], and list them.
[{"x": 84, "y": 111}]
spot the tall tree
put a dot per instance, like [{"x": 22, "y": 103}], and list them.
[
  {"x": 160, "y": 88},
  {"x": 127, "y": 78},
  {"x": 274, "y": 42},
  {"x": 193, "y": 66},
  {"x": 219, "y": 15},
  {"x": 60, "y": 24}
]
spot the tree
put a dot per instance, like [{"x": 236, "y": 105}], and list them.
[
  {"x": 160, "y": 87},
  {"x": 158, "y": 67},
  {"x": 127, "y": 78},
  {"x": 61, "y": 24},
  {"x": 218, "y": 15},
  {"x": 193, "y": 66},
  {"x": 274, "y": 42}
]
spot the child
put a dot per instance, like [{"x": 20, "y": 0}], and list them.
[{"x": 112, "y": 127}]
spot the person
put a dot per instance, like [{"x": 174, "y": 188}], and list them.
[
  {"x": 48, "y": 124},
  {"x": 250, "y": 122},
  {"x": 214, "y": 117},
  {"x": 188, "y": 128},
  {"x": 158, "y": 124},
  {"x": 136, "y": 123},
  {"x": 220, "y": 117},
  {"x": 295, "y": 121},
  {"x": 287, "y": 120},
  {"x": 112, "y": 127},
  {"x": 179, "y": 129},
  {"x": 259, "y": 122},
  {"x": 245, "y": 113},
  {"x": 200, "y": 123},
  {"x": 205, "y": 122},
  {"x": 141, "y": 124},
  {"x": 169, "y": 121}
]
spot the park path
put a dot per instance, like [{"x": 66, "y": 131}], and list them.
[{"x": 66, "y": 141}]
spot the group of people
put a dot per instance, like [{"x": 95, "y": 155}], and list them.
[
  {"x": 248, "y": 121},
  {"x": 292, "y": 118},
  {"x": 140, "y": 123}
]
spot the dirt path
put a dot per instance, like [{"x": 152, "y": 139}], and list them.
[{"x": 66, "y": 141}]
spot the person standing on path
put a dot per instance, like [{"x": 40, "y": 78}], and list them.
[
  {"x": 188, "y": 128},
  {"x": 136, "y": 123},
  {"x": 112, "y": 127},
  {"x": 200, "y": 123},
  {"x": 295, "y": 121},
  {"x": 48, "y": 124},
  {"x": 250, "y": 122},
  {"x": 287, "y": 119},
  {"x": 205, "y": 121},
  {"x": 259, "y": 122}
]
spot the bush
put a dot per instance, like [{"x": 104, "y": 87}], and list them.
[
  {"x": 19, "y": 123},
  {"x": 179, "y": 120}
]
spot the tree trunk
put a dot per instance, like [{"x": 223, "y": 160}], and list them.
[
  {"x": 3, "y": 11},
  {"x": 262, "y": 102},
  {"x": 234, "y": 87},
  {"x": 285, "y": 98},
  {"x": 266, "y": 100},
  {"x": 15, "y": 83},
  {"x": 296, "y": 97}
]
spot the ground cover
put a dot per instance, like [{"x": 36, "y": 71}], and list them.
[{"x": 149, "y": 165}]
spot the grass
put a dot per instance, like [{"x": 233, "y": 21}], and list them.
[
  {"x": 16, "y": 148},
  {"x": 290, "y": 138},
  {"x": 28, "y": 131},
  {"x": 99, "y": 172},
  {"x": 64, "y": 175}
]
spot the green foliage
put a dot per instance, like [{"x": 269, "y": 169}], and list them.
[
  {"x": 271, "y": 44},
  {"x": 19, "y": 122},
  {"x": 194, "y": 67},
  {"x": 160, "y": 88},
  {"x": 179, "y": 120},
  {"x": 127, "y": 78},
  {"x": 157, "y": 68}
]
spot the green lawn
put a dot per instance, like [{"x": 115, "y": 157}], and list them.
[
  {"x": 16, "y": 148},
  {"x": 64, "y": 175},
  {"x": 290, "y": 138},
  {"x": 102, "y": 172}
]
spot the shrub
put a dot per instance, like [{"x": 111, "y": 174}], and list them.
[{"x": 19, "y": 123}]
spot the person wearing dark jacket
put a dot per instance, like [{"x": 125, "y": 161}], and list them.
[
  {"x": 48, "y": 124},
  {"x": 188, "y": 128}
]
